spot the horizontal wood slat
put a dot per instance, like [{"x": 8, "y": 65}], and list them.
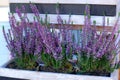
[
  {"x": 106, "y": 2},
  {"x": 74, "y": 9},
  {"x": 78, "y": 27}
]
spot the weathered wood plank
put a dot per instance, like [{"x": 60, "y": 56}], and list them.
[
  {"x": 78, "y": 27},
  {"x": 110, "y": 2}
]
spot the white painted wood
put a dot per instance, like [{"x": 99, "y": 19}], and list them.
[
  {"x": 35, "y": 75},
  {"x": 4, "y": 14},
  {"x": 115, "y": 75},
  {"x": 4, "y": 3},
  {"x": 105, "y": 2},
  {"x": 50, "y": 1},
  {"x": 77, "y": 19},
  {"x": 118, "y": 7},
  {"x": 32, "y": 75}
]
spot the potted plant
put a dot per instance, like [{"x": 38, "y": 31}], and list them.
[{"x": 38, "y": 46}]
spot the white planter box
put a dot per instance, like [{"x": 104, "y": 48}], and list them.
[{"x": 34, "y": 75}]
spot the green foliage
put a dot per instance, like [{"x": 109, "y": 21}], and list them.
[
  {"x": 51, "y": 61},
  {"x": 94, "y": 22},
  {"x": 90, "y": 64},
  {"x": 57, "y": 64},
  {"x": 26, "y": 61}
]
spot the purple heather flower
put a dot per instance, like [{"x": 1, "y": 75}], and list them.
[{"x": 35, "y": 11}]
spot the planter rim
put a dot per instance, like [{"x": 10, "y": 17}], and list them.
[{"x": 33, "y": 75}]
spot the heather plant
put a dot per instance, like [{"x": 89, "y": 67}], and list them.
[
  {"x": 55, "y": 52},
  {"x": 23, "y": 41},
  {"x": 98, "y": 51},
  {"x": 29, "y": 42}
]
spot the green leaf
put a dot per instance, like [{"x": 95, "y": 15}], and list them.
[
  {"x": 118, "y": 31},
  {"x": 119, "y": 14},
  {"x": 94, "y": 22},
  {"x": 57, "y": 5}
]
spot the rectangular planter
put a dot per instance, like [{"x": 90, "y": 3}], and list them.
[{"x": 35, "y": 75}]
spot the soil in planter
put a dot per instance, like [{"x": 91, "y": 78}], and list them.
[
  {"x": 13, "y": 65},
  {"x": 94, "y": 74},
  {"x": 50, "y": 69}
]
